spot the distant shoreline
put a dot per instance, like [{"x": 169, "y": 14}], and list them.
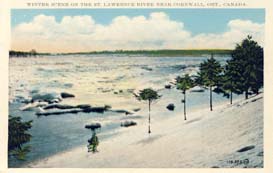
[{"x": 150, "y": 53}]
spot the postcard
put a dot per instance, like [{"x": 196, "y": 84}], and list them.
[{"x": 112, "y": 84}]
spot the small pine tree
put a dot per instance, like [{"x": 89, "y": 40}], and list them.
[
  {"x": 229, "y": 82},
  {"x": 149, "y": 95},
  {"x": 184, "y": 83},
  {"x": 18, "y": 136},
  {"x": 209, "y": 75},
  {"x": 93, "y": 143}
]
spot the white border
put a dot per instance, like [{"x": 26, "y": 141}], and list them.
[{"x": 6, "y": 5}]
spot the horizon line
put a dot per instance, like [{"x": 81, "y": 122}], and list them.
[{"x": 122, "y": 50}]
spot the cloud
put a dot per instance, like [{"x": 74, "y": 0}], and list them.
[{"x": 157, "y": 31}]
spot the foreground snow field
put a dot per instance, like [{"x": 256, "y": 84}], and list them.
[{"x": 229, "y": 136}]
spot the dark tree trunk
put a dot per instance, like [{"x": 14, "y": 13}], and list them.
[
  {"x": 231, "y": 97},
  {"x": 149, "y": 128},
  {"x": 210, "y": 98},
  {"x": 246, "y": 94},
  {"x": 185, "y": 117}
]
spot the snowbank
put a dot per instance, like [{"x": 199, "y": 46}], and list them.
[{"x": 207, "y": 139}]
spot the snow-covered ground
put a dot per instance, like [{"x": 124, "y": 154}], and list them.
[{"x": 207, "y": 139}]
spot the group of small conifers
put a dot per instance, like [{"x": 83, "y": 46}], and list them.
[{"x": 242, "y": 74}]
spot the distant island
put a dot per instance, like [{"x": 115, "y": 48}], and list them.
[{"x": 163, "y": 52}]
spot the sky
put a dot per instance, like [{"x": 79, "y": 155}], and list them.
[{"x": 77, "y": 30}]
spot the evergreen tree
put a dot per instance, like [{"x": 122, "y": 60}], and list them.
[
  {"x": 149, "y": 95},
  {"x": 209, "y": 75},
  {"x": 184, "y": 83},
  {"x": 248, "y": 57},
  {"x": 18, "y": 136},
  {"x": 230, "y": 82},
  {"x": 93, "y": 142}
]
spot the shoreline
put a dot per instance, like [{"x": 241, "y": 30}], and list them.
[
  {"x": 132, "y": 142},
  {"x": 150, "y": 53}
]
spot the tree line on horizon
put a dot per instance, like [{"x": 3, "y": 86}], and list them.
[
  {"x": 152, "y": 53},
  {"x": 13, "y": 53}
]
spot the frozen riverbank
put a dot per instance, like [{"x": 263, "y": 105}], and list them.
[{"x": 230, "y": 136}]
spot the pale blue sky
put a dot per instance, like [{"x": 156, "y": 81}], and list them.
[
  {"x": 195, "y": 20},
  {"x": 105, "y": 29}
]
